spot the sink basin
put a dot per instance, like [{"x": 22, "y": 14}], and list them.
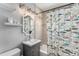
[{"x": 31, "y": 42}]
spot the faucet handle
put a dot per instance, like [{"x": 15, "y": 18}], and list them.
[{"x": 30, "y": 32}]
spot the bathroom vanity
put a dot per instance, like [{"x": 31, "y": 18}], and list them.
[{"x": 31, "y": 47}]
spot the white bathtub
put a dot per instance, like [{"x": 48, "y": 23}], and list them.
[
  {"x": 14, "y": 52},
  {"x": 43, "y": 50}
]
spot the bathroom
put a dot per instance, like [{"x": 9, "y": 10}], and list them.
[{"x": 39, "y": 29}]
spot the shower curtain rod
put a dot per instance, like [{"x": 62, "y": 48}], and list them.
[{"x": 56, "y": 8}]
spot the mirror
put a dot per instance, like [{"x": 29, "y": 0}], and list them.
[{"x": 28, "y": 27}]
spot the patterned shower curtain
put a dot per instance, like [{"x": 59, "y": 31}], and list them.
[{"x": 63, "y": 31}]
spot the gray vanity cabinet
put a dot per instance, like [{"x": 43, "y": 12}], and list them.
[{"x": 33, "y": 50}]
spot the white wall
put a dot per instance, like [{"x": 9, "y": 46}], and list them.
[
  {"x": 10, "y": 37},
  {"x": 44, "y": 29},
  {"x": 38, "y": 27}
]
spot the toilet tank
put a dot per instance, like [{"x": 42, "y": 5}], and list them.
[{"x": 14, "y": 52}]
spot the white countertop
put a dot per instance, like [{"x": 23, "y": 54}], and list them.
[{"x": 31, "y": 42}]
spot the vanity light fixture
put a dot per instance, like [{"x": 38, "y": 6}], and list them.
[{"x": 23, "y": 9}]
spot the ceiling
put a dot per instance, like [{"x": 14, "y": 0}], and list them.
[
  {"x": 8, "y": 8},
  {"x": 41, "y": 6},
  {"x": 47, "y": 6}
]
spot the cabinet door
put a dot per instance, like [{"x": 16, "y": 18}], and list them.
[{"x": 35, "y": 51}]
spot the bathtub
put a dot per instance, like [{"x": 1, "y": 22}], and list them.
[
  {"x": 43, "y": 50},
  {"x": 14, "y": 52}
]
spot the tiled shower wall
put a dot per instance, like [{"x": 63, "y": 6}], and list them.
[{"x": 63, "y": 31}]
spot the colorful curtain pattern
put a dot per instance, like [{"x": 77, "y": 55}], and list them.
[{"x": 63, "y": 31}]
